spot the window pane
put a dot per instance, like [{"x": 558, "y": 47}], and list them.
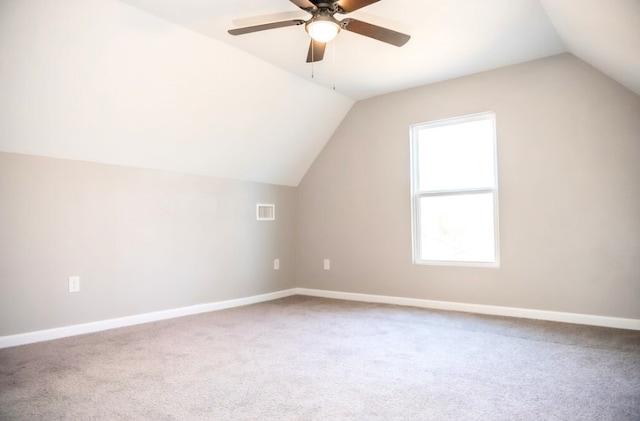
[
  {"x": 456, "y": 156},
  {"x": 457, "y": 228}
]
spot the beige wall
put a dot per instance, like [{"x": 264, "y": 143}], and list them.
[
  {"x": 140, "y": 240},
  {"x": 144, "y": 241},
  {"x": 569, "y": 174}
]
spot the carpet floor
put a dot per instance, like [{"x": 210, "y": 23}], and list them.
[{"x": 305, "y": 358}]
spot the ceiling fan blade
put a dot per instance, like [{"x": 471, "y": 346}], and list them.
[
  {"x": 373, "y": 31},
  {"x": 316, "y": 51},
  {"x": 348, "y": 6},
  {"x": 273, "y": 17},
  {"x": 273, "y": 25},
  {"x": 305, "y": 5}
]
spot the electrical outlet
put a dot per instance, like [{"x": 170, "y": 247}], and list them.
[
  {"x": 327, "y": 264},
  {"x": 74, "y": 284},
  {"x": 276, "y": 264}
]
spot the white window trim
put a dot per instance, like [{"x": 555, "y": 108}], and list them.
[{"x": 416, "y": 194}]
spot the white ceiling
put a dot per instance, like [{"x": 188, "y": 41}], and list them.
[
  {"x": 603, "y": 33},
  {"x": 448, "y": 39},
  {"x": 101, "y": 81},
  {"x": 161, "y": 84}
]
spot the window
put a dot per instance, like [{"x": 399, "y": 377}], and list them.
[{"x": 454, "y": 189}]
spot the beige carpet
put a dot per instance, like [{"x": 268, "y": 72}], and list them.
[{"x": 303, "y": 358}]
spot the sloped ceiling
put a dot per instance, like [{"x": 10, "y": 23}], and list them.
[
  {"x": 448, "y": 39},
  {"x": 101, "y": 81},
  {"x": 161, "y": 84},
  {"x": 603, "y": 33}
]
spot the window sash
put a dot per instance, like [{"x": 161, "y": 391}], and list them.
[
  {"x": 420, "y": 244},
  {"x": 456, "y": 154}
]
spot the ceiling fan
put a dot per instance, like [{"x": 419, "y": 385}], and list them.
[{"x": 323, "y": 26}]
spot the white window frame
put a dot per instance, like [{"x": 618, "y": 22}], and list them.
[{"x": 416, "y": 194}]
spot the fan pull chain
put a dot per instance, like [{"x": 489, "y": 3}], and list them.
[
  {"x": 312, "y": 58},
  {"x": 333, "y": 64}
]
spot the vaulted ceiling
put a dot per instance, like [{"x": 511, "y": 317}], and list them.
[
  {"x": 448, "y": 38},
  {"x": 161, "y": 84}
]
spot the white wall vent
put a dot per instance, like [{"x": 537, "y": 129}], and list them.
[{"x": 265, "y": 212}]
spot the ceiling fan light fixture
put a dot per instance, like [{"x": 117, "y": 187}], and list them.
[{"x": 322, "y": 29}]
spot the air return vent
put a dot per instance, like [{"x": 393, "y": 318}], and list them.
[{"x": 266, "y": 212}]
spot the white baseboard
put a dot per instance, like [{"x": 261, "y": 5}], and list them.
[
  {"x": 63, "y": 332},
  {"x": 554, "y": 316}
]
